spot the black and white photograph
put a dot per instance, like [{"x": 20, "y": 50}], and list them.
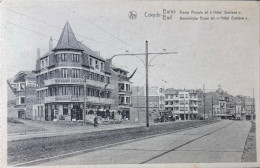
[{"x": 129, "y": 83}]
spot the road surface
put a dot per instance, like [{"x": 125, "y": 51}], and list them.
[{"x": 219, "y": 142}]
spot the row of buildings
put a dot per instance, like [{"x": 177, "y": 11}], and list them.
[{"x": 71, "y": 72}]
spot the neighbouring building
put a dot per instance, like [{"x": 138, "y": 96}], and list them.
[
  {"x": 64, "y": 72},
  {"x": 183, "y": 103},
  {"x": 156, "y": 102},
  {"x": 23, "y": 85},
  {"x": 123, "y": 94},
  {"x": 249, "y": 108}
]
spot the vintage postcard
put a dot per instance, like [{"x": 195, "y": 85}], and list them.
[{"x": 129, "y": 83}]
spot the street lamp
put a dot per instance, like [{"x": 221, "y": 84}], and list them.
[{"x": 146, "y": 64}]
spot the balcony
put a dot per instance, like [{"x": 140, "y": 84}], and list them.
[
  {"x": 77, "y": 81},
  {"x": 122, "y": 105},
  {"x": 69, "y": 98},
  {"x": 193, "y": 105},
  {"x": 168, "y": 105},
  {"x": 123, "y": 91},
  {"x": 194, "y": 98}
]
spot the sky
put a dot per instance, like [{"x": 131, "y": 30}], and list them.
[{"x": 208, "y": 52}]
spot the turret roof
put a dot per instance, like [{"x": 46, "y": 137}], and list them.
[{"x": 67, "y": 39}]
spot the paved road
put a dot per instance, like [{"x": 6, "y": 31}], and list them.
[{"x": 219, "y": 142}]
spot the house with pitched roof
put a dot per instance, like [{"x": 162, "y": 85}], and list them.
[{"x": 23, "y": 87}]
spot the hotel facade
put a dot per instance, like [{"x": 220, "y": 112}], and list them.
[{"x": 66, "y": 74}]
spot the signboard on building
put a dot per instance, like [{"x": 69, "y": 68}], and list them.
[
  {"x": 75, "y": 98},
  {"x": 31, "y": 83}
]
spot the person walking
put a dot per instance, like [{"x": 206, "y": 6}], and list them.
[{"x": 95, "y": 122}]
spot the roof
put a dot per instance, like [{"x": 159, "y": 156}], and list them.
[
  {"x": 90, "y": 52},
  {"x": 67, "y": 39},
  {"x": 19, "y": 77},
  {"x": 169, "y": 91},
  {"x": 116, "y": 68}
]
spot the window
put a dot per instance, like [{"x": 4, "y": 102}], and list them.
[
  {"x": 42, "y": 64},
  {"x": 55, "y": 58},
  {"x": 75, "y": 90},
  {"x": 41, "y": 110},
  {"x": 181, "y": 95},
  {"x": 97, "y": 77},
  {"x": 75, "y": 73},
  {"x": 22, "y": 87},
  {"x": 91, "y": 75},
  {"x": 38, "y": 95},
  {"x": 90, "y": 61},
  {"x": 75, "y": 58},
  {"x": 108, "y": 95},
  {"x": 102, "y": 78},
  {"x": 64, "y": 73},
  {"x": 107, "y": 80},
  {"x": 51, "y": 74},
  {"x": 97, "y": 64},
  {"x": 63, "y": 57},
  {"x": 46, "y": 62},
  {"x": 21, "y": 100},
  {"x": 102, "y": 66},
  {"x": 128, "y": 100},
  {"x": 64, "y": 90},
  {"x": 97, "y": 93},
  {"x": 65, "y": 109},
  {"x": 86, "y": 73}
]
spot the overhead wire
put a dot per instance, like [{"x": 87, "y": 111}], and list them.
[{"x": 21, "y": 14}]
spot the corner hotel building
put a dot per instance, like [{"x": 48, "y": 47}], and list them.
[{"x": 60, "y": 77}]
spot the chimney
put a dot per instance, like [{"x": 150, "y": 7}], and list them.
[
  {"x": 38, "y": 53},
  {"x": 50, "y": 44}
]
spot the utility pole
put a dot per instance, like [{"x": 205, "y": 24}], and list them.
[
  {"x": 147, "y": 94},
  {"x": 204, "y": 97},
  {"x": 146, "y": 64},
  {"x": 84, "y": 112}
]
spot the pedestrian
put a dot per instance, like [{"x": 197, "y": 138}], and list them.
[{"x": 95, "y": 122}]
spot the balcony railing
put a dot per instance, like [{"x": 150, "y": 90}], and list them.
[
  {"x": 69, "y": 98},
  {"x": 193, "y": 105},
  {"x": 79, "y": 81},
  {"x": 124, "y": 104}
]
